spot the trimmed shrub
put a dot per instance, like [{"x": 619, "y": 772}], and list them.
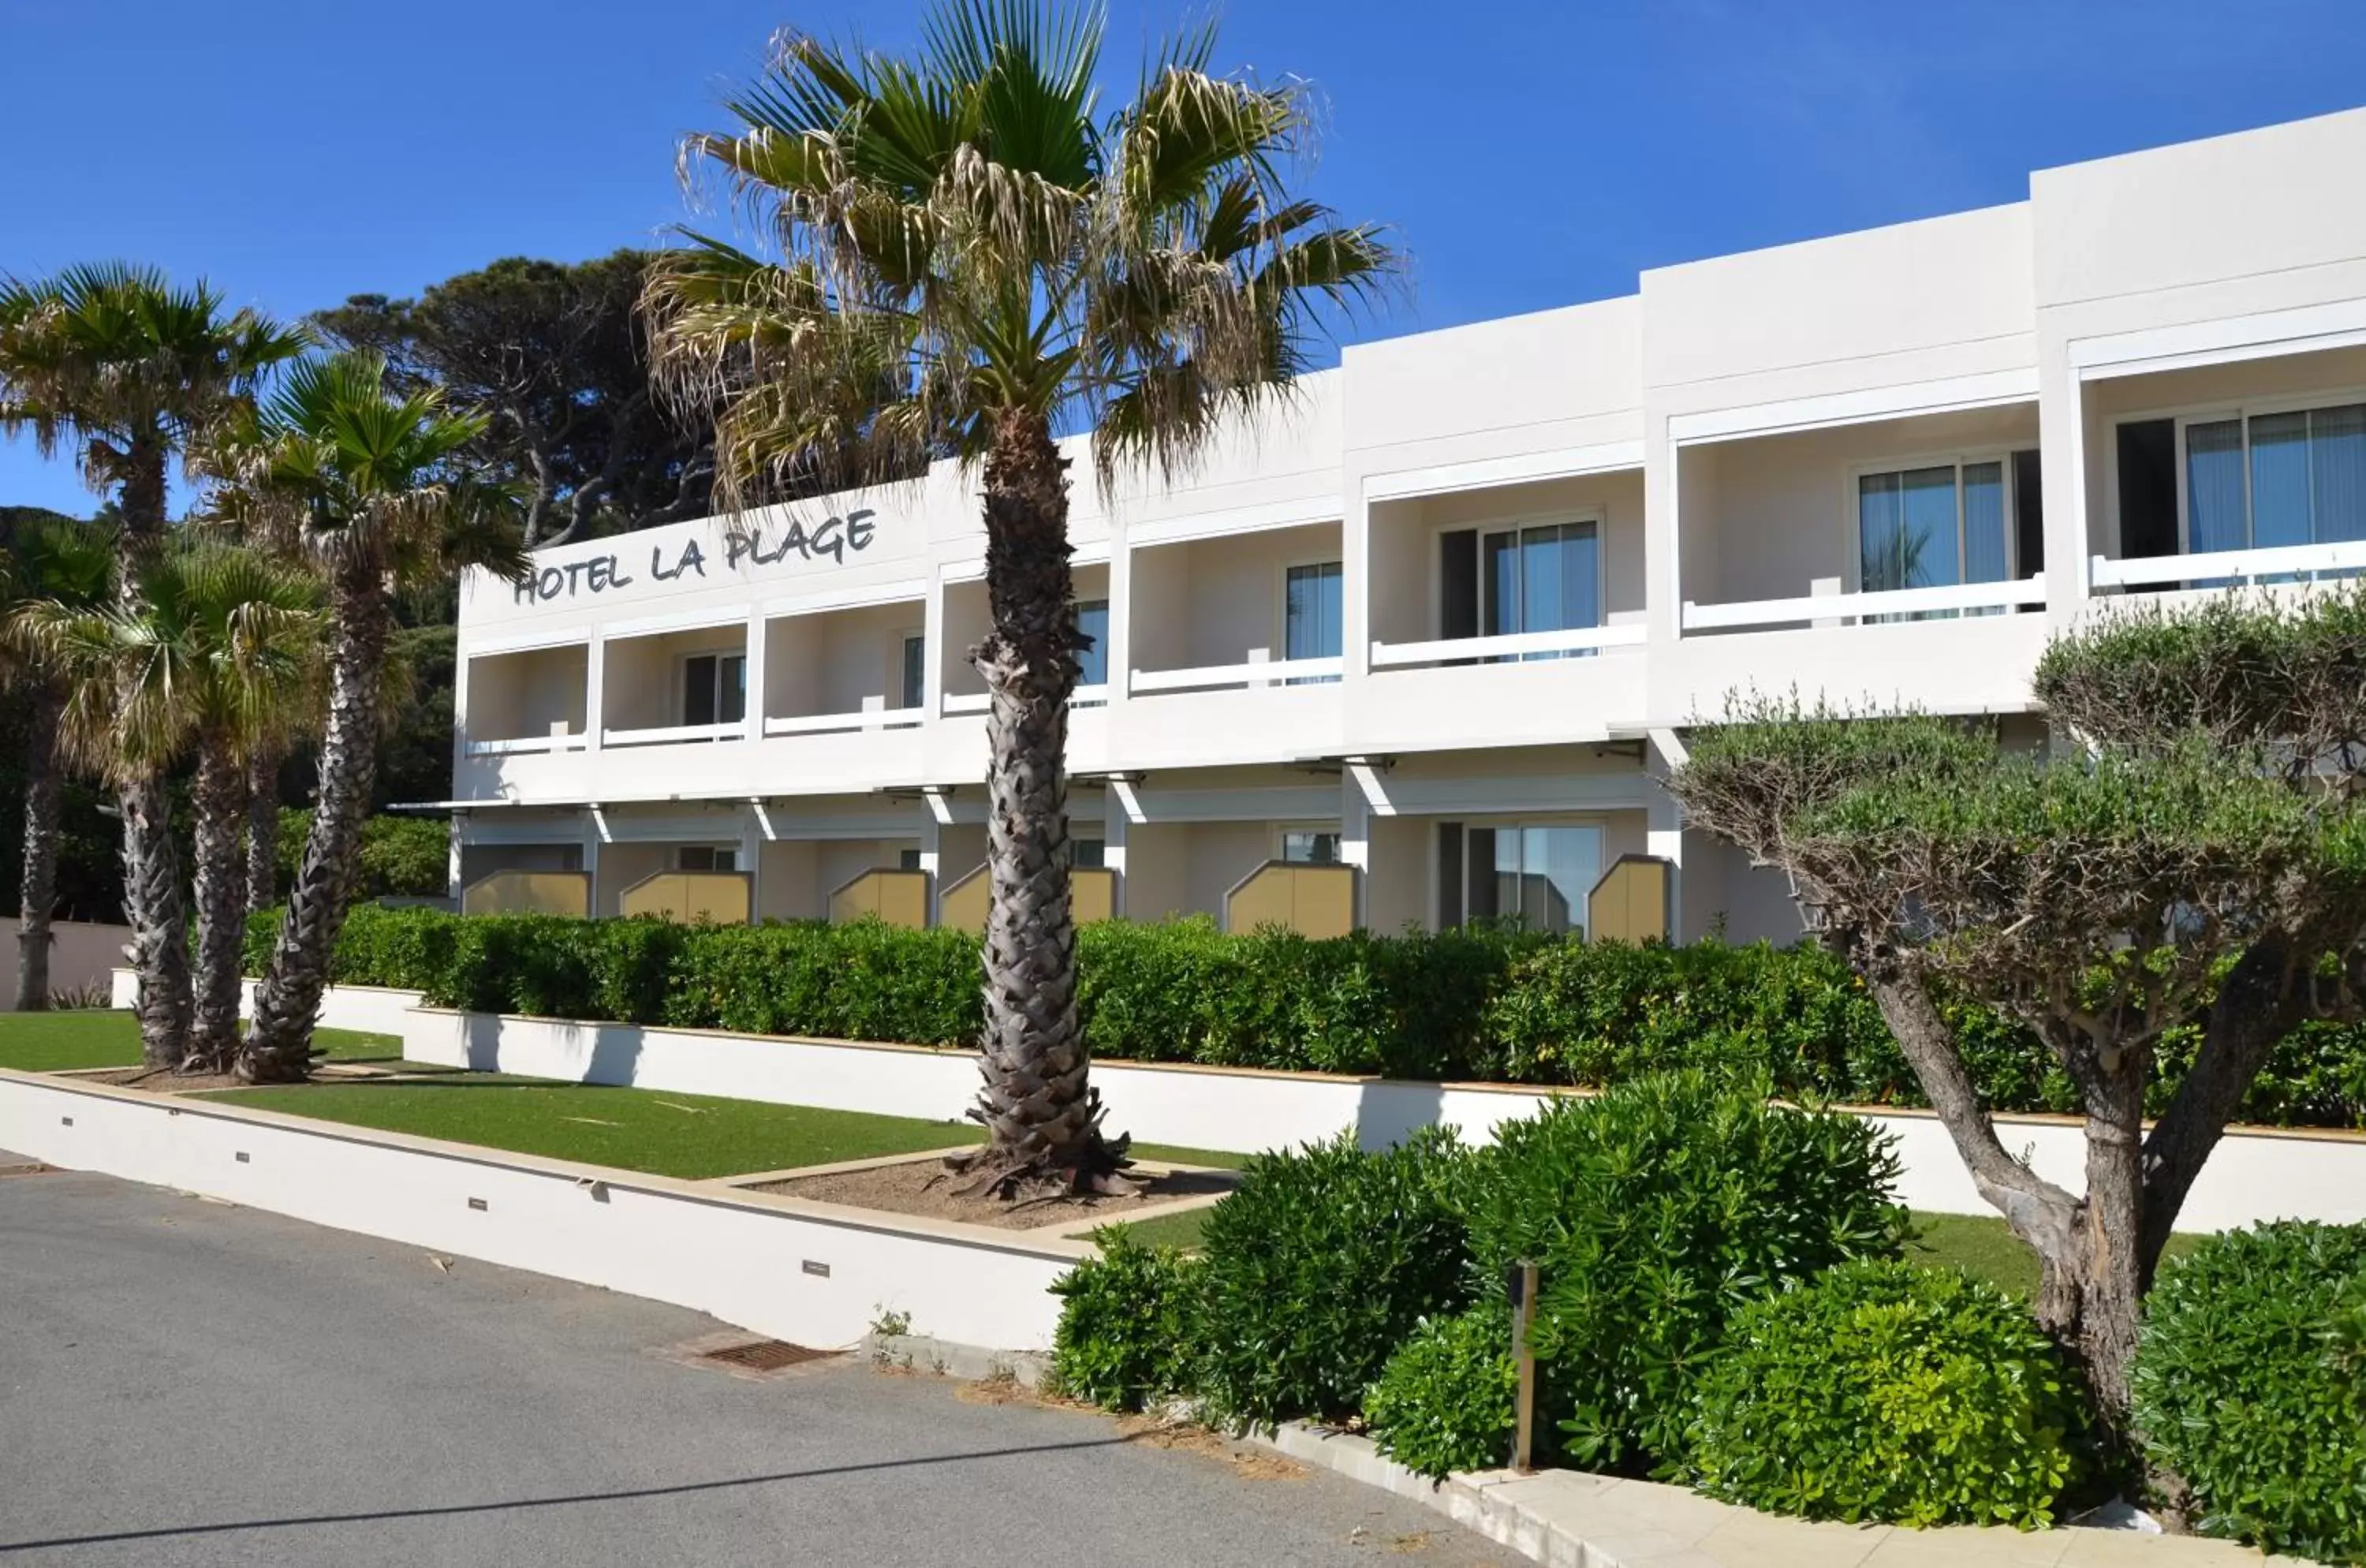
[
  {"x": 1445, "y": 1400},
  {"x": 1129, "y": 1324},
  {"x": 1653, "y": 1212},
  {"x": 1488, "y": 1004},
  {"x": 1885, "y": 1392},
  {"x": 2251, "y": 1385},
  {"x": 1319, "y": 1265}
]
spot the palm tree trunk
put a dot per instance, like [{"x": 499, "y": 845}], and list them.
[
  {"x": 219, "y": 801},
  {"x": 159, "y": 934},
  {"x": 1044, "y": 1117},
  {"x": 278, "y": 1047},
  {"x": 151, "y": 862},
  {"x": 37, "y": 889},
  {"x": 263, "y": 825}
]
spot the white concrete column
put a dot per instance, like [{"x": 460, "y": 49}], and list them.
[
  {"x": 1117, "y": 819},
  {"x": 932, "y": 824},
  {"x": 452, "y": 856},
  {"x": 751, "y": 852},
  {"x": 1119, "y": 662},
  {"x": 459, "y": 730},
  {"x": 1664, "y": 823},
  {"x": 1356, "y": 836},
  {"x": 932, "y": 637},
  {"x": 757, "y": 621},
  {"x": 595, "y": 833},
  {"x": 595, "y": 679}
]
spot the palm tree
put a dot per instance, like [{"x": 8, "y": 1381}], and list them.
[
  {"x": 967, "y": 253},
  {"x": 118, "y": 363},
  {"x": 224, "y": 651},
  {"x": 63, "y": 560},
  {"x": 368, "y": 485}
]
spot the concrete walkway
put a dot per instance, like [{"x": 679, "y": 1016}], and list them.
[
  {"x": 185, "y": 1382},
  {"x": 1570, "y": 1521}
]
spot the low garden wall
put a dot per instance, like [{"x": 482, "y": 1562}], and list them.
[
  {"x": 2256, "y": 1173},
  {"x": 811, "y": 1273}
]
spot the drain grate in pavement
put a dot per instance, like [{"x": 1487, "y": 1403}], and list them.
[{"x": 762, "y": 1355}]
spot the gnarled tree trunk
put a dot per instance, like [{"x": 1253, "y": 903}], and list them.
[
  {"x": 262, "y": 826},
  {"x": 219, "y": 801},
  {"x": 1044, "y": 1117},
  {"x": 37, "y": 888},
  {"x": 287, "y": 1002}
]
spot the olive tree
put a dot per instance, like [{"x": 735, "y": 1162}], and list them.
[{"x": 2188, "y": 852}]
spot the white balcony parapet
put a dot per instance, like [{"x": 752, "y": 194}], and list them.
[
  {"x": 1833, "y": 607},
  {"x": 2222, "y": 566},
  {"x": 1256, "y": 673},
  {"x": 865, "y": 719},
  {"x": 960, "y": 703},
  {"x": 525, "y": 744},
  {"x": 1512, "y": 645},
  {"x": 673, "y": 733}
]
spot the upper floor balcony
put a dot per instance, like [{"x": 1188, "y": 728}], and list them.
[
  {"x": 1880, "y": 563},
  {"x": 1506, "y": 614},
  {"x": 2245, "y": 473}
]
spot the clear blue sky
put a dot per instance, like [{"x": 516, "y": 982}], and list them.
[{"x": 1529, "y": 154}]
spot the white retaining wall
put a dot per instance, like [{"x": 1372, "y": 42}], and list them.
[
  {"x": 747, "y": 1261},
  {"x": 2259, "y": 1174},
  {"x": 377, "y": 1010},
  {"x": 2256, "y": 1173}
]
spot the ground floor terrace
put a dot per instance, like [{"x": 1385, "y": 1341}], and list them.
[{"x": 1569, "y": 838}]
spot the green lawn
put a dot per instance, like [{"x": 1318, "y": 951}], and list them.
[
  {"x": 687, "y": 1135},
  {"x": 55, "y": 1042}
]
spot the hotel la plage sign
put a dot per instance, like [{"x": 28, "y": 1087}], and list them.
[{"x": 736, "y": 551}]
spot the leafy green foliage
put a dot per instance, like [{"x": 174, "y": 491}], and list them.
[
  {"x": 1445, "y": 1400},
  {"x": 1484, "y": 1005},
  {"x": 1128, "y": 1322},
  {"x": 403, "y": 857},
  {"x": 1319, "y": 1265},
  {"x": 1880, "y": 1391},
  {"x": 2250, "y": 1386},
  {"x": 1652, "y": 1214}
]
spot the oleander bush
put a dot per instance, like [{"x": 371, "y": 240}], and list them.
[
  {"x": 1319, "y": 1265},
  {"x": 1486, "y": 1004},
  {"x": 1445, "y": 1400},
  {"x": 1653, "y": 1212},
  {"x": 1129, "y": 1324},
  {"x": 1882, "y": 1390},
  {"x": 2251, "y": 1385}
]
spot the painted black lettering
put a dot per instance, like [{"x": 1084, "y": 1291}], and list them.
[
  {"x": 826, "y": 539},
  {"x": 692, "y": 559},
  {"x": 656, "y": 564},
  {"x": 794, "y": 539},
  {"x": 859, "y": 528},
  {"x": 735, "y": 544},
  {"x": 548, "y": 582},
  {"x": 575, "y": 570}
]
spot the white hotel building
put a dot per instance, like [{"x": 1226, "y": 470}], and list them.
[{"x": 1448, "y": 619}]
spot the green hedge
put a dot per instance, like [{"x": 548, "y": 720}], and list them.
[{"x": 1485, "y": 1005}]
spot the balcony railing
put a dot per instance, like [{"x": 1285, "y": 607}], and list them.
[
  {"x": 523, "y": 745},
  {"x": 1839, "y": 609},
  {"x": 1510, "y": 646},
  {"x": 674, "y": 734},
  {"x": 960, "y": 703},
  {"x": 862, "y": 718},
  {"x": 2228, "y": 567},
  {"x": 1255, "y": 672}
]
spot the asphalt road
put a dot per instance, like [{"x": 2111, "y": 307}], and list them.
[{"x": 186, "y": 1382}]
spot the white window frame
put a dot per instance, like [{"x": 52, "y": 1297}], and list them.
[
  {"x": 1281, "y": 830},
  {"x": 1496, "y": 822},
  {"x": 1597, "y": 515},
  {"x": 717, "y": 850},
  {"x": 904, "y": 638},
  {"x": 679, "y": 703},
  {"x": 2211, "y": 412},
  {"x": 1280, "y": 653},
  {"x": 1853, "y": 541}
]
